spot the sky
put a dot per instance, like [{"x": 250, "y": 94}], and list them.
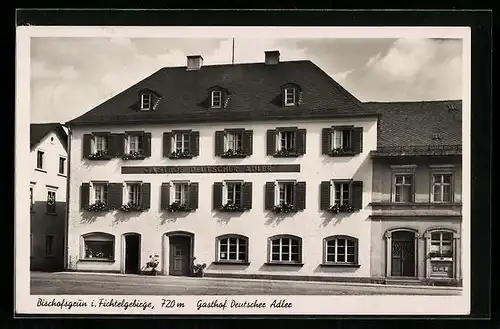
[{"x": 71, "y": 75}]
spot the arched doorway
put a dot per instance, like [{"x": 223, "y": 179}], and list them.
[
  {"x": 178, "y": 253},
  {"x": 132, "y": 253},
  {"x": 403, "y": 254}
]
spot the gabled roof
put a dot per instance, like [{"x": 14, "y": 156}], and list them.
[
  {"x": 39, "y": 130},
  {"x": 255, "y": 95},
  {"x": 418, "y": 124}
]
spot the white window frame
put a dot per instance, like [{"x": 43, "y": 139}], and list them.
[
  {"x": 336, "y": 253},
  {"x": 64, "y": 166},
  {"x": 293, "y": 141},
  {"x": 442, "y": 184},
  {"x": 281, "y": 260},
  {"x": 340, "y": 132},
  {"x": 216, "y": 99},
  {"x": 146, "y": 98},
  {"x": 225, "y": 190},
  {"x": 186, "y": 139},
  {"x": 237, "y": 137},
  {"x": 51, "y": 254},
  {"x": 101, "y": 140},
  {"x": 451, "y": 241},
  {"x": 99, "y": 237},
  {"x": 42, "y": 152},
  {"x": 277, "y": 186},
  {"x": 333, "y": 186},
  {"x": 101, "y": 185},
  {"x": 394, "y": 186},
  {"x": 128, "y": 143},
  {"x": 137, "y": 194},
  {"x": 239, "y": 239},
  {"x": 293, "y": 92},
  {"x": 185, "y": 193}
]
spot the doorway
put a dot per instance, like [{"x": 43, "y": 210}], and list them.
[
  {"x": 132, "y": 253},
  {"x": 403, "y": 254},
  {"x": 180, "y": 255}
]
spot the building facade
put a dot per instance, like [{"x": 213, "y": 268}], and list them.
[
  {"x": 417, "y": 193},
  {"x": 257, "y": 170},
  {"x": 48, "y": 183}
]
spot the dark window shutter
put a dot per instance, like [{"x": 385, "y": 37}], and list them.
[
  {"x": 87, "y": 145},
  {"x": 167, "y": 144},
  {"x": 217, "y": 195},
  {"x": 300, "y": 195},
  {"x": 247, "y": 195},
  {"x": 146, "y": 144},
  {"x": 326, "y": 140},
  {"x": 301, "y": 141},
  {"x": 357, "y": 140},
  {"x": 357, "y": 194},
  {"x": 356, "y": 251},
  {"x": 219, "y": 143},
  {"x": 194, "y": 143},
  {"x": 269, "y": 195},
  {"x": 271, "y": 141},
  {"x": 115, "y": 195},
  {"x": 193, "y": 195},
  {"x": 84, "y": 195},
  {"x": 165, "y": 196},
  {"x": 248, "y": 142},
  {"x": 325, "y": 195},
  {"x": 116, "y": 145},
  {"x": 146, "y": 195}
]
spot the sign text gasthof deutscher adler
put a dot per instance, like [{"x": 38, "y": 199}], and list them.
[{"x": 215, "y": 169}]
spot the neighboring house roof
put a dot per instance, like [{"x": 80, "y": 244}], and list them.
[
  {"x": 254, "y": 91},
  {"x": 435, "y": 124},
  {"x": 39, "y": 130}
]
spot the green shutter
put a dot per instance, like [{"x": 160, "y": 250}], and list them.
[
  {"x": 326, "y": 140},
  {"x": 247, "y": 195},
  {"x": 115, "y": 195},
  {"x": 300, "y": 136},
  {"x": 219, "y": 143},
  {"x": 167, "y": 144},
  {"x": 357, "y": 140},
  {"x": 271, "y": 141},
  {"x": 325, "y": 195},
  {"x": 269, "y": 196},
  {"x": 193, "y": 195},
  {"x": 146, "y": 145},
  {"x": 84, "y": 196},
  {"x": 217, "y": 196},
  {"x": 194, "y": 143},
  {"x": 87, "y": 145},
  {"x": 165, "y": 196},
  {"x": 300, "y": 195},
  {"x": 248, "y": 142},
  {"x": 146, "y": 195},
  {"x": 357, "y": 195}
]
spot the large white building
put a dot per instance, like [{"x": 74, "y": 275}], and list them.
[
  {"x": 257, "y": 170},
  {"x": 48, "y": 182}
]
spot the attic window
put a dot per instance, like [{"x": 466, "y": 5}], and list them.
[
  {"x": 289, "y": 96},
  {"x": 145, "y": 101},
  {"x": 216, "y": 99}
]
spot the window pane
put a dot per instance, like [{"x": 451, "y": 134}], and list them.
[
  {"x": 408, "y": 179},
  {"x": 438, "y": 179},
  {"x": 99, "y": 249},
  {"x": 447, "y": 236},
  {"x": 350, "y": 258},
  {"x": 242, "y": 256},
  {"x": 275, "y": 256},
  {"x": 294, "y": 257},
  {"x": 446, "y": 193},
  {"x": 436, "y": 236},
  {"x": 407, "y": 194},
  {"x": 447, "y": 179},
  {"x": 399, "y": 179}
]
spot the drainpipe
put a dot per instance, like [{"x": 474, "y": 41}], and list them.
[{"x": 66, "y": 224}]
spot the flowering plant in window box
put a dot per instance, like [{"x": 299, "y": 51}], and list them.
[
  {"x": 336, "y": 208},
  {"x": 133, "y": 155},
  {"x": 284, "y": 152},
  {"x": 230, "y": 153},
  {"x": 178, "y": 207},
  {"x": 179, "y": 154},
  {"x": 284, "y": 208},
  {"x": 232, "y": 207},
  {"x": 99, "y": 155},
  {"x": 131, "y": 206},
  {"x": 341, "y": 151},
  {"x": 98, "y": 206}
]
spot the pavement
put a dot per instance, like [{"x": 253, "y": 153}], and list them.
[{"x": 78, "y": 283}]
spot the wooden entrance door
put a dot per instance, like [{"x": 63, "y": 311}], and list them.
[
  {"x": 180, "y": 255},
  {"x": 132, "y": 253},
  {"x": 403, "y": 254}
]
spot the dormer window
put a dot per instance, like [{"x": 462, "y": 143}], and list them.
[
  {"x": 289, "y": 96},
  {"x": 145, "y": 101},
  {"x": 216, "y": 99}
]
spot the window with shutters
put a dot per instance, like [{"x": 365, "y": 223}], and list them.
[
  {"x": 146, "y": 101},
  {"x": 286, "y": 142},
  {"x": 133, "y": 193},
  {"x": 340, "y": 250},
  {"x": 290, "y": 96},
  {"x": 403, "y": 188},
  {"x": 285, "y": 249},
  {"x": 341, "y": 196},
  {"x": 100, "y": 193},
  {"x": 98, "y": 247},
  {"x": 286, "y": 192},
  {"x": 134, "y": 147},
  {"x": 96, "y": 146},
  {"x": 216, "y": 99},
  {"x": 40, "y": 159},
  {"x": 442, "y": 187},
  {"x": 233, "y": 142},
  {"x": 285, "y": 196},
  {"x": 133, "y": 196},
  {"x": 341, "y": 140},
  {"x": 232, "y": 196},
  {"x": 181, "y": 193},
  {"x": 232, "y": 248},
  {"x": 179, "y": 196},
  {"x": 181, "y": 144},
  {"x": 51, "y": 202}
]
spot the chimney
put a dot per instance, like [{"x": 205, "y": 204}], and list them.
[
  {"x": 194, "y": 62},
  {"x": 272, "y": 57}
]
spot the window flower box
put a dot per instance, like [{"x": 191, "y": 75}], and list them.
[
  {"x": 133, "y": 156},
  {"x": 98, "y": 206},
  {"x": 230, "y": 153},
  {"x": 178, "y": 154},
  {"x": 99, "y": 155},
  {"x": 287, "y": 153},
  {"x": 178, "y": 207},
  {"x": 284, "y": 208},
  {"x": 336, "y": 208},
  {"x": 130, "y": 206},
  {"x": 339, "y": 151},
  {"x": 232, "y": 207},
  {"x": 437, "y": 256}
]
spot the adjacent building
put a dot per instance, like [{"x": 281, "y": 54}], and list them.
[
  {"x": 257, "y": 170},
  {"x": 417, "y": 193},
  {"x": 48, "y": 180}
]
